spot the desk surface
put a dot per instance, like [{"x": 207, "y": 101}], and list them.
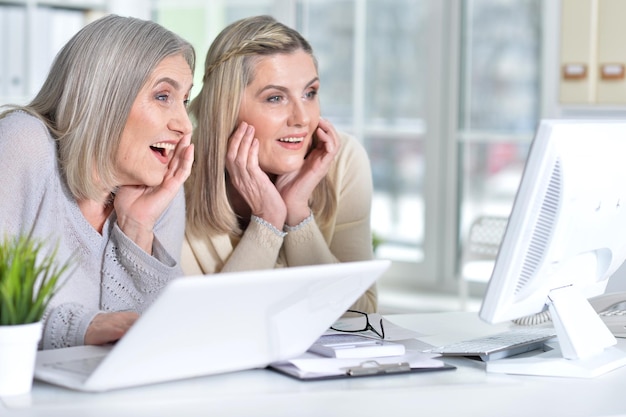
[{"x": 466, "y": 391}]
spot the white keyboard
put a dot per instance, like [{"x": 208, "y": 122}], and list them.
[
  {"x": 501, "y": 345},
  {"x": 83, "y": 366},
  {"x": 615, "y": 320}
]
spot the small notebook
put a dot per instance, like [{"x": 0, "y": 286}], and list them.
[{"x": 348, "y": 345}]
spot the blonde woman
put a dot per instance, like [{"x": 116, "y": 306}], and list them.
[
  {"x": 274, "y": 184},
  {"x": 96, "y": 163}
]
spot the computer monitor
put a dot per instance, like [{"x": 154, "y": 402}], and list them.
[{"x": 565, "y": 237}]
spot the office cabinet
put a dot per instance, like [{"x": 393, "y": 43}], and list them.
[
  {"x": 593, "y": 52},
  {"x": 31, "y": 34},
  {"x": 577, "y": 50},
  {"x": 611, "y": 85},
  {"x": 13, "y": 70}
]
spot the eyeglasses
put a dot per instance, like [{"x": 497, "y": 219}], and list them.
[{"x": 360, "y": 323}]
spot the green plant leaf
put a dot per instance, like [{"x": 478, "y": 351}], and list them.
[{"x": 29, "y": 278}]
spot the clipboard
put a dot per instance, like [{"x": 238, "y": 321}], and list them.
[
  {"x": 366, "y": 368},
  {"x": 315, "y": 366}
]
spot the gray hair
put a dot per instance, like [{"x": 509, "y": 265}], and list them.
[{"x": 87, "y": 96}]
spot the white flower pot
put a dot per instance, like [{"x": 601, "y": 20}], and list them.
[{"x": 18, "y": 351}]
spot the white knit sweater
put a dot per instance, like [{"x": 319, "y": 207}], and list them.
[{"x": 110, "y": 273}]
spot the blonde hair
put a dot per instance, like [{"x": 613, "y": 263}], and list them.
[
  {"x": 228, "y": 69},
  {"x": 87, "y": 96}
]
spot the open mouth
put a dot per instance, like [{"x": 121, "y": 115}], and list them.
[
  {"x": 291, "y": 140},
  {"x": 163, "y": 148}
]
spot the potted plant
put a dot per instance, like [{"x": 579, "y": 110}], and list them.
[{"x": 28, "y": 280}]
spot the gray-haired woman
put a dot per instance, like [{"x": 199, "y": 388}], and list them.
[{"x": 96, "y": 163}]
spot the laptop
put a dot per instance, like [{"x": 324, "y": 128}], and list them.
[{"x": 204, "y": 325}]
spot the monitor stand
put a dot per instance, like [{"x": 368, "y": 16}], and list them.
[{"x": 585, "y": 347}]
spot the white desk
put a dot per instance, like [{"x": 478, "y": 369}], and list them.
[{"x": 466, "y": 391}]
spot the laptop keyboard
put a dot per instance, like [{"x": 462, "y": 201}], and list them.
[
  {"x": 500, "y": 345},
  {"x": 83, "y": 366}
]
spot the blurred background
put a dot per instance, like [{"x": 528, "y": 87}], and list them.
[{"x": 444, "y": 94}]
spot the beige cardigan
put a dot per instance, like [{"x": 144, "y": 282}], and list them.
[{"x": 348, "y": 238}]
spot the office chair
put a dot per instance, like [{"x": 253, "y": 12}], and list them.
[{"x": 479, "y": 252}]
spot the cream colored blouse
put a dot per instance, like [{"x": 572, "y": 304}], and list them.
[{"x": 347, "y": 238}]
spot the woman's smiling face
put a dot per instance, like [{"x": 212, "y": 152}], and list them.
[
  {"x": 282, "y": 104},
  {"x": 157, "y": 121}
]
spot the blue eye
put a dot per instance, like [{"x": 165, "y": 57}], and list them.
[
  {"x": 274, "y": 99},
  {"x": 162, "y": 97}
]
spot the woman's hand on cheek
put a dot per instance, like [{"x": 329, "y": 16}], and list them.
[
  {"x": 320, "y": 157},
  {"x": 139, "y": 207},
  {"x": 328, "y": 143},
  {"x": 247, "y": 177},
  {"x": 297, "y": 188},
  {"x": 178, "y": 170}
]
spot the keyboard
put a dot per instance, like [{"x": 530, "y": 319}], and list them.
[
  {"x": 500, "y": 345},
  {"x": 83, "y": 366},
  {"x": 615, "y": 320}
]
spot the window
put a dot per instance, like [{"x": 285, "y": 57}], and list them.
[
  {"x": 373, "y": 69},
  {"x": 444, "y": 94},
  {"x": 500, "y": 102}
]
